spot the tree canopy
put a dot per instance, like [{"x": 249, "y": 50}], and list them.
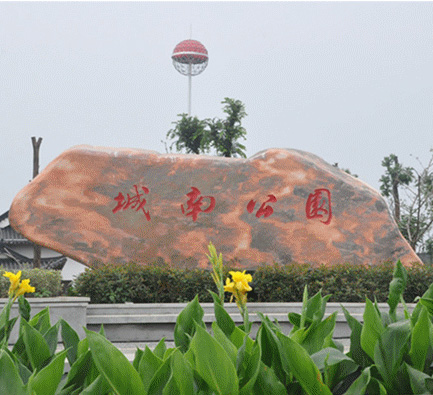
[{"x": 195, "y": 136}]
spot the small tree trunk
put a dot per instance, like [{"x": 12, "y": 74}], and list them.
[
  {"x": 36, "y": 248},
  {"x": 396, "y": 198}
]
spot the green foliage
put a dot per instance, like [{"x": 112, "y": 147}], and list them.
[
  {"x": 388, "y": 354},
  {"x": 48, "y": 283},
  {"x": 271, "y": 283},
  {"x": 190, "y": 135},
  {"x": 411, "y": 194},
  {"x": 196, "y": 136},
  {"x": 143, "y": 284}
]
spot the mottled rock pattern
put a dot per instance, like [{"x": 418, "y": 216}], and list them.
[{"x": 105, "y": 205}]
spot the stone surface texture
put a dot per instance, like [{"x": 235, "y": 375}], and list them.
[{"x": 108, "y": 205}]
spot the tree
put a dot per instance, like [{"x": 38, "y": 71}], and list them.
[
  {"x": 199, "y": 136},
  {"x": 394, "y": 176},
  {"x": 225, "y": 133},
  {"x": 191, "y": 135},
  {"x": 414, "y": 212}
]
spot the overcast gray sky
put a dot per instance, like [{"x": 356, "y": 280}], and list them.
[{"x": 350, "y": 82}]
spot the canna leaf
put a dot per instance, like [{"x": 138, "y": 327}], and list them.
[
  {"x": 223, "y": 319},
  {"x": 10, "y": 380},
  {"x": 417, "y": 380},
  {"x": 302, "y": 366},
  {"x": 70, "y": 340},
  {"x": 267, "y": 382},
  {"x": 35, "y": 345},
  {"x": 114, "y": 366},
  {"x": 182, "y": 373},
  {"x": 360, "y": 385},
  {"x": 47, "y": 379},
  {"x": 420, "y": 340},
  {"x": 185, "y": 324},
  {"x": 371, "y": 330},
  {"x": 356, "y": 352},
  {"x": 160, "y": 349},
  {"x": 390, "y": 350},
  {"x": 213, "y": 364},
  {"x": 160, "y": 379},
  {"x": 396, "y": 289},
  {"x": 148, "y": 366}
]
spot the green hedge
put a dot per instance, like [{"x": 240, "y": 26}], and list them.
[
  {"x": 271, "y": 283},
  {"x": 48, "y": 283}
]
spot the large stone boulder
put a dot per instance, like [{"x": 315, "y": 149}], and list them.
[{"x": 111, "y": 205}]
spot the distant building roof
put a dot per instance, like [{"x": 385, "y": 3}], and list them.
[
  {"x": 18, "y": 261},
  {"x": 13, "y": 260},
  {"x": 10, "y": 236}
]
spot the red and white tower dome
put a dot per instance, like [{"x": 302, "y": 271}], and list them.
[{"x": 190, "y": 58}]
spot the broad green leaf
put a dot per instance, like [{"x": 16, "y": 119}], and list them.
[
  {"x": 102, "y": 330},
  {"x": 46, "y": 381},
  {"x": 376, "y": 387},
  {"x": 371, "y": 330},
  {"x": 5, "y": 314},
  {"x": 267, "y": 382},
  {"x": 228, "y": 346},
  {"x": 160, "y": 349},
  {"x": 238, "y": 336},
  {"x": 170, "y": 388},
  {"x": 271, "y": 349},
  {"x": 114, "y": 366},
  {"x": 304, "y": 308},
  {"x": 6, "y": 330},
  {"x": 182, "y": 373},
  {"x": 77, "y": 374},
  {"x": 428, "y": 303},
  {"x": 36, "y": 346},
  {"x": 360, "y": 385},
  {"x": 356, "y": 352},
  {"x": 213, "y": 364},
  {"x": 185, "y": 324},
  {"x": 250, "y": 370},
  {"x": 331, "y": 355},
  {"x": 319, "y": 334},
  {"x": 70, "y": 340},
  {"x": 420, "y": 340},
  {"x": 41, "y": 320},
  {"x": 223, "y": 319},
  {"x": 148, "y": 366},
  {"x": 23, "y": 371},
  {"x": 83, "y": 347},
  {"x": 51, "y": 337},
  {"x": 302, "y": 366},
  {"x": 24, "y": 307},
  {"x": 417, "y": 380},
  {"x": 10, "y": 380},
  {"x": 417, "y": 310},
  {"x": 396, "y": 288},
  {"x": 137, "y": 358},
  {"x": 97, "y": 387},
  {"x": 160, "y": 378},
  {"x": 389, "y": 351}
]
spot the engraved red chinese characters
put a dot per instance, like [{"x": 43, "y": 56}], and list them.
[
  {"x": 319, "y": 205},
  {"x": 136, "y": 201},
  {"x": 264, "y": 210},
  {"x": 195, "y": 202}
]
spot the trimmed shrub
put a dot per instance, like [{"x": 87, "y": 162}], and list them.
[
  {"x": 271, "y": 283},
  {"x": 48, "y": 283}
]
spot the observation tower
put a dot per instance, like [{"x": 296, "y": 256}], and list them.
[{"x": 190, "y": 58}]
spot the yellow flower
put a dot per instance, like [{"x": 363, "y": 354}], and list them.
[
  {"x": 14, "y": 280},
  {"x": 240, "y": 280},
  {"x": 24, "y": 288},
  {"x": 229, "y": 287}
]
